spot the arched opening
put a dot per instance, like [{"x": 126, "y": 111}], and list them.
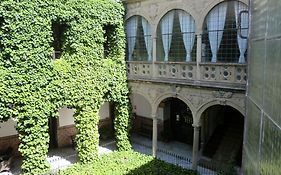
[
  {"x": 222, "y": 135},
  {"x": 106, "y": 122},
  {"x": 176, "y": 121},
  {"x": 139, "y": 42},
  {"x": 225, "y": 34},
  {"x": 106, "y": 128},
  {"x": 176, "y": 37},
  {"x": 64, "y": 130}
]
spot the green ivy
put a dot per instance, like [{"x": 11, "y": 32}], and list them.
[
  {"x": 129, "y": 163},
  {"x": 90, "y": 71}
]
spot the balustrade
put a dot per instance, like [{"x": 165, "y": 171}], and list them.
[{"x": 222, "y": 73}]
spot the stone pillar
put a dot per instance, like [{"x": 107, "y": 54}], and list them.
[
  {"x": 202, "y": 141},
  {"x": 195, "y": 147},
  {"x": 154, "y": 136},
  {"x": 198, "y": 54}
]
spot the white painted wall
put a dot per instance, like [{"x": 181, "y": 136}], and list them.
[
  {"x": 66, "y": 117},
  {"x": 104, "y": 111},
  {"x": 8, "y": 128},
  {"x": 141, "y": 106}
]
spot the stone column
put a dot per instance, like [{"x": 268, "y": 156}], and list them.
[
  {"x": 202, "y": 141},
  {"x": 198, "y": 54},
  {"x": 154, "y": 136},
  {"x": 195, "y": 146}
]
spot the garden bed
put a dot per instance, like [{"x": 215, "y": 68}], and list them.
[{"x": 127, "y": 163}]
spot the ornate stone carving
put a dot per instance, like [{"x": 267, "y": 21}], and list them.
[
  {"x": 196, "y": 100},
  {"x": 152, "y": 94},
  {"x": 222, "y": 102},
  {"x": 176, "y": 89},
  {"x": 153, "y": 11},
  {"x": 222, "y": 94}
]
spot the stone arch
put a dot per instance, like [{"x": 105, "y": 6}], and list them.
[
  {"x": 162, "y": 97},
  {"x": 205, "y": 106},
  {"x": 175, "y": 6},
  {"x": 152, "y": 23},
  {"x": 208, "y": 8},
  {"x": 145, "y": 16}
]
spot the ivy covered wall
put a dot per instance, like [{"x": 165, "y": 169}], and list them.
[{"x": 90, "y": 70}]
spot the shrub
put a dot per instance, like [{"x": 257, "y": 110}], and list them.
[
  {"x": 129, "y": 163},
  {"x": 89, "y": 71}
]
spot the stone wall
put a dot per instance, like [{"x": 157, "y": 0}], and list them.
[{"x": 197, "y": 99}]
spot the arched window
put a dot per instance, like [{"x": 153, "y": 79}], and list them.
[
  {"x": 222, "y": 39},
  {"x": 139, "y": 43},
  {"x": 176, "y": 37}
]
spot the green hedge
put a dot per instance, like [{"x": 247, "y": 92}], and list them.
[
  {"x": 129, "y": 163},
  {"x": 90, "y": 71}
]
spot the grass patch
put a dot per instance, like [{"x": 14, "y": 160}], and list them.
[{"x": 126, "y": 163}]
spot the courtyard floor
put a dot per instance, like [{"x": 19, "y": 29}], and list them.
[{"x": 173, "y": 152}]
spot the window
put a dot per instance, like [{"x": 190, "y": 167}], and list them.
[
  {"x": 58, "y": 38},
  {"x": 109, "y": 41},
  {"x": 176, "y": 37},
  {"x": 139, "y": 43},
  {"x": 221, "y": 40}
]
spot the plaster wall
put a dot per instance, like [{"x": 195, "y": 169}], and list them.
[
  {"x": 8, "y": 128},
  {"x": 66, "y": 115},
  {"x": 141, "y": 106},
  {"x": 104, "y": 111}
]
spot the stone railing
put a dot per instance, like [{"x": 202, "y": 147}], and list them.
[
  {"x": 139, "y": 69},
  {"x": 205, "y": 74},
  {"x": 224, "y": 72},
  {"x": 181, "y": 71}
]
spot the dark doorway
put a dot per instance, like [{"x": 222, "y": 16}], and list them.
[
  {"x": 53, "y": 125},
  {"x": 222, "y": 134},
  {"x": 178, "y": 123}
]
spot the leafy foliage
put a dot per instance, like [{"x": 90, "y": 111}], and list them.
[
  {"x": 34, "y": 86},
  {"x": 127, "y": 162}
]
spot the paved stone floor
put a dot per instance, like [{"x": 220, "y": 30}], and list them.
[{"x": 173, "y": 152}]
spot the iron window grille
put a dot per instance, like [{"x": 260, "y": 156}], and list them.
[
  {"x": 175, "y": 30},
  {"x": 233, "y": 41},
  {"x": 139, "y": 42}
]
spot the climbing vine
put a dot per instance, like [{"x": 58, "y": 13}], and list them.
[{"x": 89, "y": 70}]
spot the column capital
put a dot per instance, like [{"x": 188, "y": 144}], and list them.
[
  {"x": 195, "y": 125},
  {"x": 199, "y": 33},
  {"x": 153, "y": 116}
]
